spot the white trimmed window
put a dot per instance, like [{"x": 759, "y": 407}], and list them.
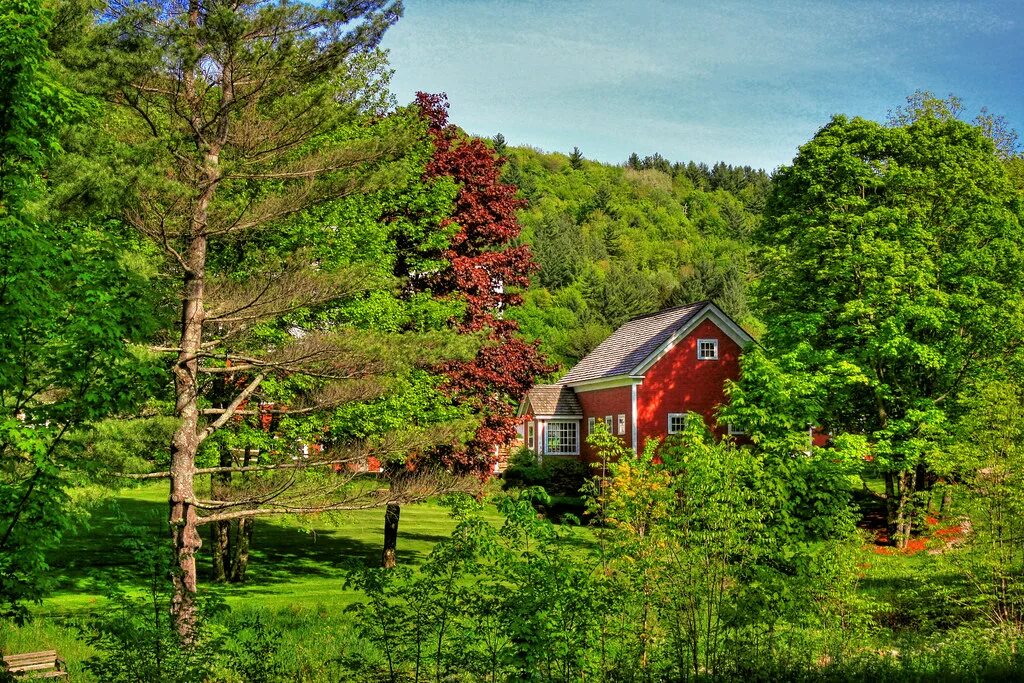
[
  {"x": 531, "y": 435},
  {"x": 609, "y": 424},
  {"x": 591, "y": 423},
  {"x": 707, "y": 349},
  {"x": 736, "y": 431},
  {"x": 676, "y": 422},
  {"x": 563, "y": 438},
  {"x": 622, "y": 424}
]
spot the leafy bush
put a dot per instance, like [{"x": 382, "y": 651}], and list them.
[
  {"x": 522, "y": 457},
  {"x": 523, "y": 477},
  {"x": 136, "y": 641},
  {"x": 558, "y": 476},
  {"x": 566, "y": 477},
  {"x": 252, "y": 651},
  {"x": 134, "y": 637}
]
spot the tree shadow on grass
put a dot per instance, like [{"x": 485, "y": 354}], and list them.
[{"x": 279, "y": 553}]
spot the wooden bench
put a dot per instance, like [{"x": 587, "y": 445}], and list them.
[{"x": 45, "y": 664}]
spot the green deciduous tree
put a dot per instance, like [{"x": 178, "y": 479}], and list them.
[
  {"x": 891, "y": 260},
  {"x": 986, "y": 454},
  {"x": 69, "y": 300}
]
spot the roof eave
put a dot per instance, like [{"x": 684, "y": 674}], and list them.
[
  {"x": 559, "y": 416},
  {"x": 611, "y": 382}
]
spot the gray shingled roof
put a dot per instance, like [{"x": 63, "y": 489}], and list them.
[
  {"x": 553, "y": 399},
  {"x": 631, "y": 344}
]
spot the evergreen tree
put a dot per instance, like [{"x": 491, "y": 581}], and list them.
[
  {"x": 234, "y": 120},
  {"x": 576, "y": 159},
  {"x": 499, "y": 144},
  {"x": 627, "y": 294},
  {"x": 557, "y": 246}
]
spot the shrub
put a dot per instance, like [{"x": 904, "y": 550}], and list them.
[
  {"x": 566, "y": 477},
  {"x": 526, "y": 476},
  {"x": 252, "y": 649},
  {"x": 522, "y": 457}
]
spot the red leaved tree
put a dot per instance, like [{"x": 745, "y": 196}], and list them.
[{"x": 486, "y": 270}]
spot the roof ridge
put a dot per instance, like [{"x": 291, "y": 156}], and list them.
[{"x": 703, "y": 302}]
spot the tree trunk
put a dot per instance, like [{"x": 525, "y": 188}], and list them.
[
  {"x": 220, "y": 532},
  {"x": 187, "y": 438},
  {"x": 891, "y": 505},
  {"x": 905, "y": 510},
  {"x": 185, "y": 443},
  {"x": 391, "y": 515},
  {"x": 243, "y": 537},
  {"x": 947, "y": 498},
  {"x": 240, "y": 562}
]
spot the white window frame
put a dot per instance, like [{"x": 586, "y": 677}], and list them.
[
  {"x": 555, "y": 425},
  {"x": 735, "y": 431},
  {"x": 685, "y": 418},
  {"x": 622, "y": 424},
  {"x": 531, "y": 435},
  {"x": 609, "y": 424},
  {"x": 700, "y": 351},
  {"x": 591, "y": 424}
]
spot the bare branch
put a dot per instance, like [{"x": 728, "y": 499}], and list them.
[
  {"x": 414, "y": 488},
  {"x": 233, "y": 406},
  {"x": 250, "y": 468}
]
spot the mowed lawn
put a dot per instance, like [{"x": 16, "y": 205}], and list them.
[{"x": 294, "y": 562}]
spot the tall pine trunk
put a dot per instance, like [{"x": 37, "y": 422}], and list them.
[
  {"x": 185, "y": 442},
  {"x": 187, "y": 438}
]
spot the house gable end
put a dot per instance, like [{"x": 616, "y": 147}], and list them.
[{"x": 709, "y": 312}]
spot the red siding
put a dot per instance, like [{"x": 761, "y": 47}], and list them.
[
  {"x": 599, "y": 404},
  {"x": 679, "y": 383}
]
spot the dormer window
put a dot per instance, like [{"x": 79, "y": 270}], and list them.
[{"x": 707, "y": 349}]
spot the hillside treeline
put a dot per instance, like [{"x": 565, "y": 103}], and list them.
[{"x": 617, "y": 241}]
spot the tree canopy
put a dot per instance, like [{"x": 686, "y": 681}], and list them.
[{"x": 890, "y": 260}]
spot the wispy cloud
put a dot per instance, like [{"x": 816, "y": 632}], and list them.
[{"x": 740, "y": 81}]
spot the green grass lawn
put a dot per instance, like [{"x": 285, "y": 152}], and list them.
[
  {"x": 296, "y": 572},
  {"x": 293, "y": 562}
]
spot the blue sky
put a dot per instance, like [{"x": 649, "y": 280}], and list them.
[{"x": 743, "y": 82}]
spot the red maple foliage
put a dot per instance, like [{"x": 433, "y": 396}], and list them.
[{"x": 485, "y": 270}]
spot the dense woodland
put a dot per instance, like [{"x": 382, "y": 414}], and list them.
[
  {"x": 616, "y": 241},
  {"x": 236, "y": 274}
]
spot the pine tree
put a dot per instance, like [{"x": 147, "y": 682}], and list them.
[
  {"x": 576, "y": 159},
  {"x": 627, "y": 294},
  {"x": 500, "y": 145},
  {"x": 236, "y": 118},
  {"x": 558, "y": 244}
]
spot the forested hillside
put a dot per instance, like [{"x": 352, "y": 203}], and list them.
[{"x": 613, "y": 242}]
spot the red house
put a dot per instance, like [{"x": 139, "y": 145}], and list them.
[{"x": 642, "y": 381}]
